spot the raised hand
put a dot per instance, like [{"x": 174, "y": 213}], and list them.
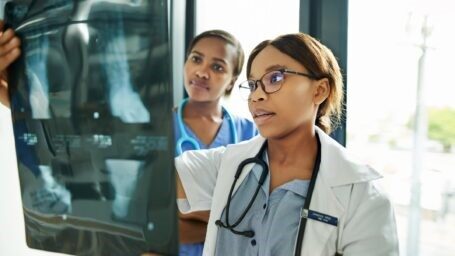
[{"x": 9, "y": 52}]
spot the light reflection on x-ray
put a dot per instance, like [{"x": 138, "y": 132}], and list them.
[
  {"x": 47, "y": 195},
  {"x": 124, "y": 101},
  {"x": 36, "y": 72},
  {"x": 124, "y": 176}
]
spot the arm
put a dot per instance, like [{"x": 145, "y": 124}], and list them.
[
  {"x": 9, "y": 52},
  {"x": 371, "y": 227},
  {"x": 197, "y": 174},
  {"x": 180, "y": 191},
  {"x": 195, "y": 182},
  {"x": 198, "y": 216},
  {"x": 202, "y": 216},
  {"x": 192, "y": 226}
]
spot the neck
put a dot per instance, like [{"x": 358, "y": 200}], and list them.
[
  {"x": 207, "y": 109},
  {"x": 298, "y": 147}
]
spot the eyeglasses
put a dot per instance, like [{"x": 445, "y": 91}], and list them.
[{"x": 270, "y": 82}]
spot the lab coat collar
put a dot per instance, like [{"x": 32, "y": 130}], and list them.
[{"x": 337, "y": 168}]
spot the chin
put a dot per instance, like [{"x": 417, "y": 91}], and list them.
[
  {"x": 267, "y": 133},
  {"x": 198, "y": 97},
  {"x": 274, "y": 134}
]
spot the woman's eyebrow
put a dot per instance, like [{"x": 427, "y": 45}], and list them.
[
  {"x": 274, "y": 67},
  {"x": 215, "y": 59},
  {"x": 220, "y": 60},
  {"x": 196, "y": 52},
  {"x": 269, "y": 68}
]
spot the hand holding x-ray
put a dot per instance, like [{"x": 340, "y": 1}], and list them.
[{"x": 9, "y": 52}]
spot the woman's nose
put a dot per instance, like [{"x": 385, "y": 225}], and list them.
[{"x": 202, "y": 72}]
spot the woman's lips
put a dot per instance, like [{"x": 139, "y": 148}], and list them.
[
  {"x": 199, "y": 84},
  {"x": 262, "y": 116}
]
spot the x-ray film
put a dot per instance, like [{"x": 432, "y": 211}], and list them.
[{"x": 91, "y": 105}]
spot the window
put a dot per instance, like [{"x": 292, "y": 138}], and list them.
[{"x": 383, "y": 66}]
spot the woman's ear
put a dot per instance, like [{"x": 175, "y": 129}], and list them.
[
  {"x": 231, "y": 85},
  {"x": 322, "y": 91}
]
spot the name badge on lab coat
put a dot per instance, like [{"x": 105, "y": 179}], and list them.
[{"x": 323, "y": 218}]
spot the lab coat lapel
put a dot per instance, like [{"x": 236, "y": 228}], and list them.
[
  {"x": 318, "y": 234},
  {"x": 228, "y": 168},
  {"x": 335, "y": 172}
]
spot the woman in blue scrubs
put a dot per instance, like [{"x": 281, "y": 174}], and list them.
[{"x": 214, "y": 61}]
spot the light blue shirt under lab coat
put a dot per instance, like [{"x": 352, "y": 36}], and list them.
[{"x": 274, "y": 218}]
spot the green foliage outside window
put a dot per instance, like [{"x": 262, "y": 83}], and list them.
[{"x": 441, "y": 126}]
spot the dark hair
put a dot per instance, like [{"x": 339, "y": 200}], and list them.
[
  {"x": 320, "y": 62},
  {"x": 228, "y": 38}
]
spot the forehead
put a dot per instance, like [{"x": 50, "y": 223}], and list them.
[
  {"x": 214, "y": 47},
  {"x": 270, "y": 58}
]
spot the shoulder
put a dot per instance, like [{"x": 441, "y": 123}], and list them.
[
  {"x": 242, "y": 120},
  {"x": 243, "y": 148},
  {"x": 348, "y": 176},
  {"x": 339, "y": 167},
  {"x": 368, "y": 210},
  {"x": 245, "y": 127},
  {"x": 367, "y": 194}
]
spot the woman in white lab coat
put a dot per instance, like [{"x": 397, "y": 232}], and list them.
[{"x": 299, "y": 192}]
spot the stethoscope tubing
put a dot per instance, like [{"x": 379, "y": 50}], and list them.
[
  {"x": 258, "y": 160},
  {"x": 185, "y": 138},
  {"x": 309, "y": 196}
]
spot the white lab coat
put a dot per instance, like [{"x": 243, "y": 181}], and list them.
[{"x": 344, "y": 189}]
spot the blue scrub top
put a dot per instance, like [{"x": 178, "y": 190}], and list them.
[{"x": 245, "y": 130}]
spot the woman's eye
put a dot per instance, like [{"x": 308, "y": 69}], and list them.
[
  {"x": 196, "y": 59},
  {"x": 218, "y": 67},
  {"x": 276, "y": 78},
  {"x": 252, "y": 86}
]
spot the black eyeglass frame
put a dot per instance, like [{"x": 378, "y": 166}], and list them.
[{"x": 282, "y": 71}]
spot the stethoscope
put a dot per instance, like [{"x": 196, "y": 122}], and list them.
[
  {"x": 265, "y": 170},
  {"x": 187, "y": 139}
]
